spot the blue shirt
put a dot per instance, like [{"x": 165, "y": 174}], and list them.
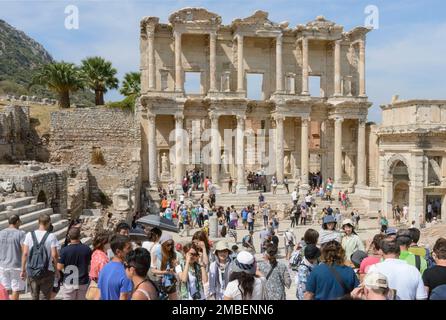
[
  {"x": 113, "y": 281},
  {"x": 244, "y": 214},
  {"x": 324, "y": 285}
]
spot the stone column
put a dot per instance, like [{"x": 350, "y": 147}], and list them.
[
  {"x": 338, "y": 151},
  {"x": 153, "y": 153},
  {"x": 361, "y": 67},
  {"x": 215, "y": 136},
  {"x": 212, "y": 62},
  {"x": 361, "y": 158},
  {"x": 178, "y": 63},
  {"x": 279, "y": 152},
  {"x": 304, "y": 153},
  {"x": 337, "y": 68},
  {"x": 241, "y": 187},
  {"x": 151, "y": 62},
  {"x": 178, "y": 152},
  {"x": 279, "y": 74},
  {"x": 240, "y": 69},
  {"x": 305, "y": 66}
]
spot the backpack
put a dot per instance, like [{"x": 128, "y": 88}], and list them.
[
  {"x": 296, "y": 260},
  {"x": 38, "y": 258}
]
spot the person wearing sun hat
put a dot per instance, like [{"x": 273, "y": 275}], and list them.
[
  {"x": 246, "y": 283},
  {"x": 220, "y": 270},
  {"x": 350, "y": 240},
  {"x": 329, "y": 232}
]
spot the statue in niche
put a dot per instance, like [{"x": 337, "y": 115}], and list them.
[
  {"x": 164, "y": 164},
  {"x": 224, "y": 164},
  {"x": 286, "y": 164}
]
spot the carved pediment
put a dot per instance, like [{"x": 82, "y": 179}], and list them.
[
  {"x": 259, "y": 20},
  {"x": 320, "y": 24},
  {"x": 194, "y": 16}
]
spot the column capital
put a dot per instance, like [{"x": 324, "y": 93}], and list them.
[
  {"x": 339, "y": 119},
  {"x": 177, "y": 33},
  {"x": 240, "y": 118},
  {"x": 362, "y": 122},
  {"x": 151, "y": 118},
  {"x": 279, "y": 117},
  {"x": 214, "y": 117},
  {"x": 305, "y": 120},
  {"x": 179, "y": 117}
]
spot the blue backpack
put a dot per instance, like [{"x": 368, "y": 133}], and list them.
[{"x": 38, "y": 258}]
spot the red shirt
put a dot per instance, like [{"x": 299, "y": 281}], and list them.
[
  {"x": 98, "y": 260},
  {"x": 3, "y": 293},
  {"x": 366, "y": 263}
]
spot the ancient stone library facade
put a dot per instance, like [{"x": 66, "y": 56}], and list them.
[{"x": 122, "y": 157}]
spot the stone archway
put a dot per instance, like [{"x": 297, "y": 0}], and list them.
[
  {"x": 397, "y": 181},
  {"x": 41, "y": 197}
]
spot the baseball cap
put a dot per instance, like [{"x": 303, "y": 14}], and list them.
[
  {"x": 375, "y": 280},
  {"x": 390, "y": 231}
]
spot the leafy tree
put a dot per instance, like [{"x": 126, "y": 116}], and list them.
[
  {"x": 100, "y": 76},
  {"x": 131, "y": 86},
  {"x": 61, "y": 78}
]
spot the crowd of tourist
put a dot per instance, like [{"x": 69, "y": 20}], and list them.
[{"x": 326, "y": 264}]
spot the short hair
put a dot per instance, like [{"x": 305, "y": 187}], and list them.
[
  {"x": 311, "y": 236},
  {"x": 101, "y": 239},
  {"x": 74, "y": 233},
  {"x": 403, "y": 237},
  {"x": 440, "y": 248},
  {"x": 44, "y": 219},
  {"x": 140, "y": 260},
  {"x": 118, "y": 242},
  {"x": 415, "y": 234},
  {"x": 122, "y": 226},
  {"x": 14, "y": 219},
  {"x": 389, "y": 246}
]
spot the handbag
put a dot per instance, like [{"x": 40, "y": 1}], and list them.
[{"x": 93, "y": 292}]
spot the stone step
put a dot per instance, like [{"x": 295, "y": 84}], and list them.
[
  {"x": 16, "y": 203},
  {"x": 60, "y": 229},
  {"x": 29, "y": 217},
  {"x": 23, "y": 210},
  {"x": 35, "y": 224}
]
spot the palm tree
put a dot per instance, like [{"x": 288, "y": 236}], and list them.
[
  {"x": 60, "y": 77},
  {"x": 131, "y": 86},
  {"x": 100, "y": 76}
]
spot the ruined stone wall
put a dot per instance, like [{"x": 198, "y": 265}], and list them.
[
  {"x": 105, "y": 141},
  {"x": 14, "y": 133},
  {"x": 39, "y": 180}
]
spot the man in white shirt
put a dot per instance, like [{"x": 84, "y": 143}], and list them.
[
  {"x": 294, "y": 197},
  {"x": 402, "y": 277},
  {"x": 290, "y": 242},
  {"x": 42, "y": 285},
  {"x": 181, "y": 198}
]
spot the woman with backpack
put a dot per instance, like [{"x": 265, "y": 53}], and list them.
[
  {"x": 163, "y": 266},
  {"x": 276, "y": 273}
]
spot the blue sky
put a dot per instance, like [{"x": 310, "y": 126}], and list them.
[{"x": 405, "y": 55}]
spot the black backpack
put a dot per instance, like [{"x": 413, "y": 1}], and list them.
[{"x": 38, "y": 258}]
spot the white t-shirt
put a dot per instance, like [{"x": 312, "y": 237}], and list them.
[
  {"x": 294, "y": 196},
  {"x": 405, "y": 210},
  {"x": 308, "y": 199},
  {"x": 403, "y": 278},
  {"x": 51, "y": 242},
  {"x": 232, "y": 290},
  {"x": 148, "y": 245},
  {"x": 181, "y": 198},
  {"x": 233, "y": 215},
  {"x": 250, "y": 217}
]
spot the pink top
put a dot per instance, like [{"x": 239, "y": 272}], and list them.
[
  {"x": 3, "y": 293},
  {"x": 366, "y": 263},
  {"x": 98, "y": 260}
]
